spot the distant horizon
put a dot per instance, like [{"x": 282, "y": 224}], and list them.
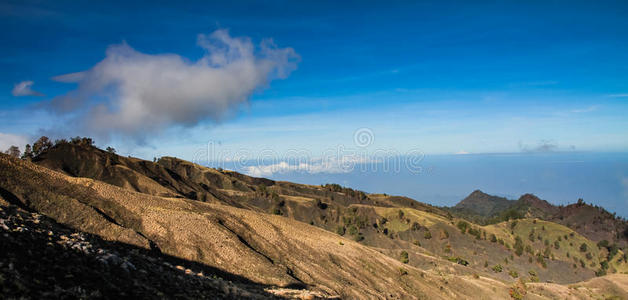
[{"x": 315, "y": 86}]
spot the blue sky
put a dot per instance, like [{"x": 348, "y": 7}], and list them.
[{"x": 444, "y": 78}]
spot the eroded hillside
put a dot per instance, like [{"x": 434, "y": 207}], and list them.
[{"x": 366, "y": 245}]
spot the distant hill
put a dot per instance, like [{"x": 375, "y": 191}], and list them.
[
  {"x": 483, "y": 204},
  {"x": 307, "y": 241},
  {"x": 592, "y": 221}
]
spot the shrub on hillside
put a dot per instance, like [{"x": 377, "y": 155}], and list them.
[
  {"x": 404, "y": 257},
  {"x": 13, "y": 151},
  {"x": 541, "y": 260},
  {"x": 353, "y": 230},
  {"x": 518, "y": 246},
  {"x": 415, "y": 226},
  {"x": 583, "y": 247},
  {"x": 463, "y": 226},
  {"x": 612, "y": 251},
  {"x": 531, "y": 236},
  {"x": 497, "y": 268},
  {"x": 427, "y": 235},
  {"x": 340, "y": 230},
  {"x": 493, "y": 238}
]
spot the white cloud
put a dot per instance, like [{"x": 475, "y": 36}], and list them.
[
  {"x": 462, "y": 152},
  {"x": 7, "y": 140},
  {"x": 24, "y": 89},
  {"x": 328, "y": 165},
  {"x": 136, "y": 94}
]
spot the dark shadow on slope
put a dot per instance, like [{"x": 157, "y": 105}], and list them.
[{"x": 45, "y": 259}]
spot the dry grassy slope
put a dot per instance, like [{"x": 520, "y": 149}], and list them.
[
  {"x": 321, "y": 206},
  {"x": 264, "y": 248},
  {"x": 447, "y": 241},
  {"x": 268, "y": 249}
]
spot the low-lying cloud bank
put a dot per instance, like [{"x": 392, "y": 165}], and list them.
[{"x": 135, "y": 94}]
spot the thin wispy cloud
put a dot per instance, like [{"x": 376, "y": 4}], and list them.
[
  {"x": 618, "y": 96},
  {"x": 24, "y": 89},
  {"x": 586, "y": 109},
  {"x": 136, "y": 94}
]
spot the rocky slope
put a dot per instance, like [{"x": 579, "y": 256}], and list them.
[{"x": 43, "y": 259}]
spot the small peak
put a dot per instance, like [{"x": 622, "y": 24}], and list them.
[
  {"x": 529, "y": 197},
  {"x": 478, "y": 192}
]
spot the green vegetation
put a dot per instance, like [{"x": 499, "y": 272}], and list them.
[
  {"x": 340, "y": 230},
  {"x": 518, "y": 246},
  {"x": 583, "y": 247},
  {"x": 513, "y": 274},
  {"x": 533, "y": 276},
  {"x": 458, "y": 260},
  {"x": 463, "y": 226},
  {"x": 497, "y": 268},
  {"x": 531, "y": 235},
  {"x": 427, "y": 235},
  {"x": 404, "y": 257},
  {"x": 415, "y": 226},
  {"x": 353, "y": 230}
]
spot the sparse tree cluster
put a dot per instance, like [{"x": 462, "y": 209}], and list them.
[{"x": 13, "y": 151}]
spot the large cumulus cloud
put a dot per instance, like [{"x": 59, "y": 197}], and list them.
[{"x": 134, "y": 93}]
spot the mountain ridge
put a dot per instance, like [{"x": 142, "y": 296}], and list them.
[
  {"x": 285, "y": 234},
  {"x": 587, "y": 219}
]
